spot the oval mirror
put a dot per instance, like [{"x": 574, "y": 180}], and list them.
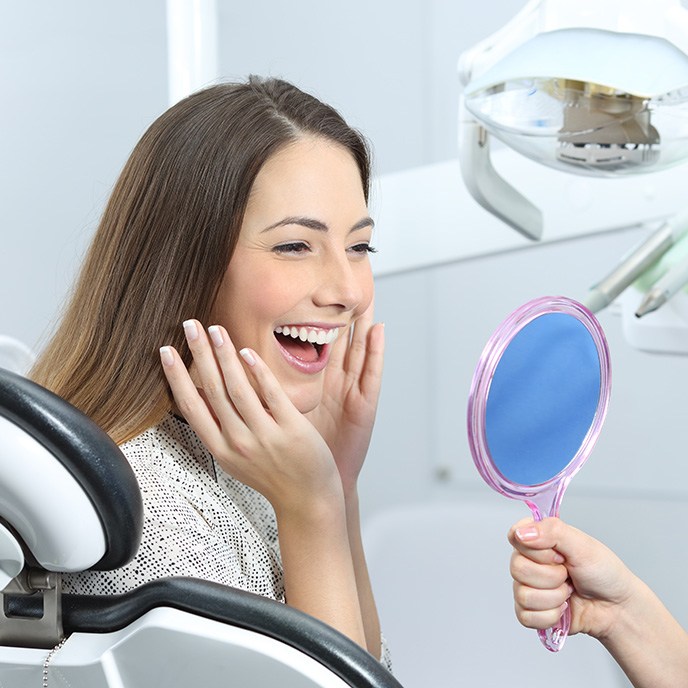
[{"x": 537, "y": 402}]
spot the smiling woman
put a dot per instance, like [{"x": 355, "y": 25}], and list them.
[{"x": 243, "y": 207}]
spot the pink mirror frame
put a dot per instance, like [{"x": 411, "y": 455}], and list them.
[{"x": 545, "y": 498}]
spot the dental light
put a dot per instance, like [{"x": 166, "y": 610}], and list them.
[{"x": 593, "y": 87}]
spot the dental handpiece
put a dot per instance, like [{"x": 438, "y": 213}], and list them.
[{"x": 636, "y": 262}]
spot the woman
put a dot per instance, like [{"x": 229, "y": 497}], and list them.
[
  {"x": 242, "y": 208},
  {"x": 555, "y": 566}
]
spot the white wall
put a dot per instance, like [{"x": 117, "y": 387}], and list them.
[
  {"x": 81, "y": 81},
  {"x": 388, "y": 65}
]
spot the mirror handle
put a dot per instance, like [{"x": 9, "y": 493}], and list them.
[
  {"x": 553, "y": 638},
  {"x": 545, "y": 504}
]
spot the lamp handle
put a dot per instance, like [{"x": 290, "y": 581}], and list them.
[{"x": 488, "y": 188}]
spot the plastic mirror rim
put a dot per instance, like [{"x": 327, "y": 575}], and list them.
[{"x": 480, "y": 388}]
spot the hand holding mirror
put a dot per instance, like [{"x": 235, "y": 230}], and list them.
[{"x": 537, "y": 403}]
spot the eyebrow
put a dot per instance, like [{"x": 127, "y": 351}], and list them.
[{"x": 312, "y": 223}]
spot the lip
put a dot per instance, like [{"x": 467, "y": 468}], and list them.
[{"x": 309, "y": 367}]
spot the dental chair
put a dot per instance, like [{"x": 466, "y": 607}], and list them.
[{"x": 69, "y": 501}]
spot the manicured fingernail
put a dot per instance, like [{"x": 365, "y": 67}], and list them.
[
  {"x": 247, "y": 355},
  {"x": 190, "y": 330},
  {"x": 563, "y": 607},
  {"x": 166, "y": 355},
  {"x": 525, "y": 534},
  {"x": 216, "y": 335}
]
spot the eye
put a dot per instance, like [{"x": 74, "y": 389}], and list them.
[
  {"x": 362, "y": 248},
  {"x": 293, "y": 247}
]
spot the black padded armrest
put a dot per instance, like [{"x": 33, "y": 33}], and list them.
[
  {"x": 108, "y": 613},
  {"x": 88, "y": 453}
]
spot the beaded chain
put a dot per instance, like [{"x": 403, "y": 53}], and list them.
[{"x": 48, "y": 659}]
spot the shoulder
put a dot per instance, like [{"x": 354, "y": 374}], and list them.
[{"x": 170, "y": 455}]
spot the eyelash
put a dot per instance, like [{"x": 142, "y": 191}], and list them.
[
  {"x": 300, "y": 247},
  {"x": 364, "y": 248},
  {"x": 292, "y": 247}
]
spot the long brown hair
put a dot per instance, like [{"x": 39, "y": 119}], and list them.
[{"x": 165, "y": 240}]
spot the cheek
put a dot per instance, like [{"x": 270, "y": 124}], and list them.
[
  {"x": 253, "y": 298},
  {"x": 367, "y": 287}
]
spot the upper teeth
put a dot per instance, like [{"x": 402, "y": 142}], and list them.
[{"x": 308, "y": 334}]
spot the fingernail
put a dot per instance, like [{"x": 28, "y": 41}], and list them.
[
  {"x": 166, "y": 356},
  {"x": 247, "y": 355},
  {"x": 216, "y": 335},
  {"x": 558, "y": 559},
  {"x": 563, "y": 607},
  {"x": 190, "y": 330},
  {"x": 525, "y": 534}
]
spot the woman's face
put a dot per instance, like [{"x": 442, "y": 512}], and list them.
[{"x": 300, "y": 270}]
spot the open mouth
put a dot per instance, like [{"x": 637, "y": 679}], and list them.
[{"x": 305, "y": 344}]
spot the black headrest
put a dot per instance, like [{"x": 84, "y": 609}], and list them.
[{"x": 88, "y": 454}]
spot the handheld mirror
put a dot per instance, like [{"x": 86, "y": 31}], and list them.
[{"x": 537, "y": 403}]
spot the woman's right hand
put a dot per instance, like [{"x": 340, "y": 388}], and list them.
[
  {"x": 260, "y": 438},
  {"x": 554, "y": 564}
]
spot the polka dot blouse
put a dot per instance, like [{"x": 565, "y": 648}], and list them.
[{"x": 198, "y": 521}]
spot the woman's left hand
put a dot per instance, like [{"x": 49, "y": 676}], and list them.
[{"x": 346, "y": 414}]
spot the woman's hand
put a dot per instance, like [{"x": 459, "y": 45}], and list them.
[
  {"x": 260, "y": 438},
  {"x": 346, "y": 414},
  {"x": 554, "y": 564}
]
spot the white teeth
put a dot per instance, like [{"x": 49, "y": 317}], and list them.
[{"x": 312, "y": 335}]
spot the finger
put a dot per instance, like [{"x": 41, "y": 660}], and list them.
[
  {"x": 228, "y": 393},
  {"x": 244, "y": 401},
  {"x": 356, "y": 353},
  {"x": 189, "y": 402},
  {"x": 271, "y": 392},
  {"x": 371, "y": 377},
  {"x": 338, "y": 350},
  {"x": 209, "y": 374},
  {"x": 573, "y": 546},
  {"x": 540, "y": 619},
  {"x": 544, "y": 576},
  {"x": 534, "y": 599},
  {"x": 523, "y": 534}
]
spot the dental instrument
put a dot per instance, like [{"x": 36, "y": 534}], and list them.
[
  {"x": 664, "y": 288},
  {"x": 636, "y": 262}
]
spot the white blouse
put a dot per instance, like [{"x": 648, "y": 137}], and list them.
[{"x": 198, "y": 521}]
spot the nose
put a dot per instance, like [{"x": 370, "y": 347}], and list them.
[{"x": 343, "y": 284}]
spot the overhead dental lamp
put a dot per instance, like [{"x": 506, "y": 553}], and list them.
[{"x": 592, "y": 87}]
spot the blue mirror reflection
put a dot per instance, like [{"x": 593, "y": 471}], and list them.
[{"x": 543, "y": 398}]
